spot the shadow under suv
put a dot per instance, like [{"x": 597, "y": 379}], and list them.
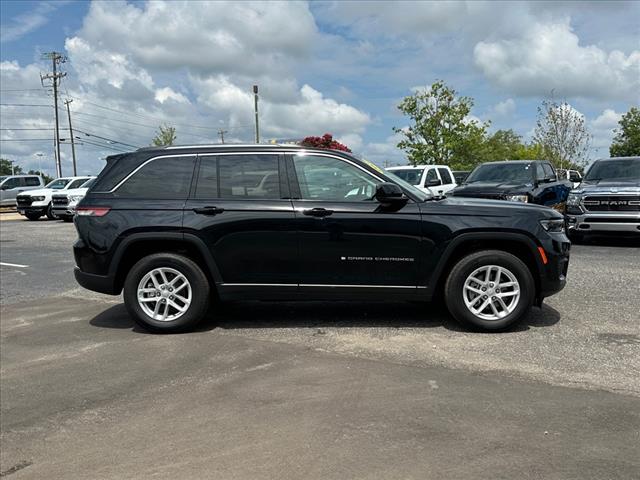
[{"x": 177, "y": 227}]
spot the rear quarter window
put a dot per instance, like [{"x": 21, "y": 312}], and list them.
[
  {"x": 32, "y": 181},
  {"x": 445, "y": 176},
  {"x": 168, "y": 177}
]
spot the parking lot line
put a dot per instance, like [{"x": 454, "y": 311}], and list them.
[{"x": 14, "y": 265}]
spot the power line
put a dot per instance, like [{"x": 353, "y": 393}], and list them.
[
  {"x": 105, "y": 138},
  {"x": 24, "y": 105},
  {"x": 73, "y": 147},
  {"x": 25, "y": 139},
  {"x": 16, "y": 129}
]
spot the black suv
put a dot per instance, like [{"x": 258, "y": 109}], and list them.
[
  {"x": 177, "y": 227},
  {"x": 528, "y": 181}
]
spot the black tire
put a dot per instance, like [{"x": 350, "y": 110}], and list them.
[
  {"x": 466, "y": 266},
  {"x": 50, "y": 214},
  {"x": 199, "y": 286},
  {"x": 32, "y": 216},
  {"x": 67, "y": 218}
]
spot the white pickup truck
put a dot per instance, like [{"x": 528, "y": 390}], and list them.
[
  {"x": 436, "y": 179},
  {"x": 35, "y": 203},
  {"x": 64, "y": 203}
]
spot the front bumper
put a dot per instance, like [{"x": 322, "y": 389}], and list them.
[
  {"x": 553, "y": 276},
  {"x": 32, "y": 209},
  {"x": 604, "y": 222},
  {"x": 65, "y": 211}
]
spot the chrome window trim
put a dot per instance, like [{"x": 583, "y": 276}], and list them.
[
  {"x": 278, "y": 150},
  {"x": 304, "y": 153},
  {"x": 146, "y": 162}
]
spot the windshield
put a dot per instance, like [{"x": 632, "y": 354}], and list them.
[
  {"x": 88, "y": 184},
  {"x": 2, "y": 179},
  {"x": 410, "y": 175},
  {"x": 58, "y": 184},
  {"x": 502, "y": 173},
  {"x": 628, "y": 169}
]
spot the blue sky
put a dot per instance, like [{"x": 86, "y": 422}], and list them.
[{"x": 322, "y": 67}]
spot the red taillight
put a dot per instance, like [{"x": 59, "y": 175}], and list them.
[{"x": 92, "y": 211}]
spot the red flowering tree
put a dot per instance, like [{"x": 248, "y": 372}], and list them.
[{"x": 326, "y": 141}]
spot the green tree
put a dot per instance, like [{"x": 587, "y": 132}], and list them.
[
  {"x": 440, "y": 129},
  {"x": 626, "y": 142},
  {"x": 165, "y": 137},
  {"x": 44, "y": 176},
  {"x": 5, "y": 167},
  {"x": 562, "y": 132}
]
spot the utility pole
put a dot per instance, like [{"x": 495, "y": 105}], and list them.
[
  {"x": 255, "y": 107},
  {"x": 55, "y": 77},
  {"x": 73, "y": 145},
  {"x": 221, "y": 133}
]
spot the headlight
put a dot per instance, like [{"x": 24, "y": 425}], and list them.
[
  {"x": 555, "y": 225},
  {"x": 518, "y": 198},
  {"x": 75, "y": 198},
  {"x": 37, "y": 199},
  {"x": 573, "y": 199}
]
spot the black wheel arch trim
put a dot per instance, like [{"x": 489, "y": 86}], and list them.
[
  {"x": 436, "y": 277},
  {"x": 188, "y": 238}
]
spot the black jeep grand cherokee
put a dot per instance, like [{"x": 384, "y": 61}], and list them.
[{"x": 176, "y": 227}]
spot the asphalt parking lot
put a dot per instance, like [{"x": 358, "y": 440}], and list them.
[{"x": 318, "y": 390}]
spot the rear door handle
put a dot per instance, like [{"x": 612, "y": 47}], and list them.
[
  {"x": 208, "y": 210},
  {"x": 317, "y": 212}
]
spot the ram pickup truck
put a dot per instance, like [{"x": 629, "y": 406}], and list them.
[
  {"x": 527, "y": 181},
  {"x": 35, "y": 203},
  {"x": 64, "y": 203},
  {"x": 607, "y": 201}
]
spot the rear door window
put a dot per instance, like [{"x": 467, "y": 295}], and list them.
[
  {"x": 253, "y": 176},
  {"x": 168, "y": 177},
  {"x": 431, "y": 175},
  {"x": 32, "y": 181},
  {"x": 445, "y": 176}
]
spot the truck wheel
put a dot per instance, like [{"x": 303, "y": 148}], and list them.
[
  {"x": 32, "y": 216},
  {"x": 166, "y": 293},
  {"x": 50, "y": 214},
  {"x": 489, "y": 290}
]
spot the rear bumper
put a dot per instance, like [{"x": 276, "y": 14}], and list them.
[{"x": 96, "y": 283}]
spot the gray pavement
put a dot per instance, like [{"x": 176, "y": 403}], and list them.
[{"x": 319, "y": 390}]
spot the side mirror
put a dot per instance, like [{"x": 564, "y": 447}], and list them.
[
  {"x": 575, "y": 178},
  {"x": 388, "y": 193},
  {"x": 434, "y": 183}
]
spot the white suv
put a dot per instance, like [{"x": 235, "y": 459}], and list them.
[
  {"x": 64, "y": 203},
  {"x": 436, "y": 179},
  {"x": 35, "y": 203}
]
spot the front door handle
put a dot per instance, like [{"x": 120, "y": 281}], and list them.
[
  {"x": 208, "y": 210},
  {"x": 317, "y": 212}
]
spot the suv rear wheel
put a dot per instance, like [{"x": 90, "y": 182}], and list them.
[
  {"x": 166, "y": 293},
  {"x": 489, "y": 290}
]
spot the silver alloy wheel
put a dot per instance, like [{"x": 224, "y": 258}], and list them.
[
  {"x": 164, "y": 294},
  {"x": 491, "y": 292}
]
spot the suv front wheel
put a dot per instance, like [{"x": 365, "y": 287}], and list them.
[
  {"x": 166, "y": 293},
  {"x": 489, "y": 290}
]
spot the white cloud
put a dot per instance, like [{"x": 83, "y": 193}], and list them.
[
  {"x": 504, "y": 109},
  {"x": 210, "y": 37},
  {"x": 549, "y": 57},
  {"x": 602, "y": 128},
  {"x": 27, "y": 22}
]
